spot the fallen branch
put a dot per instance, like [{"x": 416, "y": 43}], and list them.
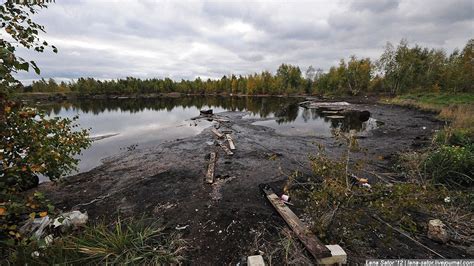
[
  {"x": 99, "y": 198},
  {"x": 407, "y": 236}
]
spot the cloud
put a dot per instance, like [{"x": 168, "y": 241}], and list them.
[{"x": 185, "y": 39}]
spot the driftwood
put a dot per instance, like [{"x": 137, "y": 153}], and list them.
[
  {"x": 315, "y": 247},
  {"x": 217, "y": 133},
  {"x": 231, "y": 141},
  {"x": 210, "y": 168},
  {"x": 226, "y": 150}
]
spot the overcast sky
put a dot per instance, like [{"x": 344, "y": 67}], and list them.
[{"x": 180, "y": 39}]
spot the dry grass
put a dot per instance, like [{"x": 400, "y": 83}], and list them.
[{"x": 462, "y": 116}]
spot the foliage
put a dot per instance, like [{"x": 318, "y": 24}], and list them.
[
  {"x": 453, "y": 165},
  {"x": 455, "y": 136},
  {"x": 36, "y": 145},
  {"x": 132, "y": 241},
  {"x": 15, "y": 208},
  {"x": 23, "y": 32},
  {"x": 399, "y": 70},
  {"x": 409, "y": 69},
  {"x": 32, "y": 145}
]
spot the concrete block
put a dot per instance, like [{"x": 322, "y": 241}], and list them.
[
  {"x": 256, "y": 260},
  {"x": 339, "y": 256}
]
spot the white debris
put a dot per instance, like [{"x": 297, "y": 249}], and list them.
[
  {"x": 181, "y": 227},
  {"x": 74, "y": 219},
  {"x": 35, "y": 254},
  {"x": 256, "y": 260},
  {"x": 437, "y": 231},
  {"x": 36, "y": 226}
]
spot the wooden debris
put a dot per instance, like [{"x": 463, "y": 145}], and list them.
[
  {"x": 231, "y": 141},
  {"x": 206, "y": 112},
  {"x": 317, "y": 249},
  {"x": 338, "y": 256},
  {"x": 331, "y": 112},
  {"x": 224, "y": 147},
  {"x": 210, "y": 168},
  {"x": 217, "y": 133},
  {"x": 335, "y": 117}
]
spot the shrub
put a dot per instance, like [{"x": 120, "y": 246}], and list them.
[
  {"x": 455, "y": 136},
  {"x": 453, "y": 165},
  {"x": 32, "y": 145}
]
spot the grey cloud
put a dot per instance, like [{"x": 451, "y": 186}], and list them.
[
  {"x": 185, "y": 39},
  {"x": 374, "y": 6}
]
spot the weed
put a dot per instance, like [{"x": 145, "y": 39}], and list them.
[
  {"x": 453, "y": 165},
  {"x": 125, "y": 242}
]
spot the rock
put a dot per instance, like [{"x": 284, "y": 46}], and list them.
[{"x": 437, "y": 231}]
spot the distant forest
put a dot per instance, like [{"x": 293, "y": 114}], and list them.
[{"x": 400, "y": 69}]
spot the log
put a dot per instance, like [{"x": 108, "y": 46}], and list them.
[
  {"x": 314, "y": 246},
  {"x": 231, "y": 141},
  {"x": 218, "y": 134},
  {"x": 226, "y": 150},
  {"x": 210, "y": 168}
]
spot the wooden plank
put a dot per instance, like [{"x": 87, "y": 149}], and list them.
[
  {"x": 317, "y": 249},
  {"x": 210, "y": 168},
  {"x": 224, "y": 147},
  {"x": 335, "y": 117},
  {"x": 231, "y": 141},
  {"x": 218, "y": 134}
]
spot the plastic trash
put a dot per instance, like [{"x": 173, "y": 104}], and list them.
[
  {"x": 285, "y": 197},
  {"x": 74, "y": 219},
  {"x": 36, "y": 226}
]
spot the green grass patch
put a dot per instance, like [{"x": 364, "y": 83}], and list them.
[{"x": 439, "y": 100}]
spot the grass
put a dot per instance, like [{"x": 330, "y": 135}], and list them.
[
  {"x": 434, "y": 101},
  {"x": 141, "y": 241},
  {"x": 457, "y": 108}
]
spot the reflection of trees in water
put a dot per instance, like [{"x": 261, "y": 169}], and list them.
[
  {"x": 262, "y": 106},
  {"x": 285, "y": 109},
  {"x": 288, "y": 113},
  {"x": 352, "y": 121}
]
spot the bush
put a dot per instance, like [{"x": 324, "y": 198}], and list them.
[
  {"x": 453, "y": 165},
  {"x": 457, "y": 137},
  {"x": 32, "y": 145}
]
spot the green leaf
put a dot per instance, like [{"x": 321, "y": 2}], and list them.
[{"x": 35, "y": 67}]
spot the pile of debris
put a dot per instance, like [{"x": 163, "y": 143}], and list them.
[{"x": 224, "y": 140}]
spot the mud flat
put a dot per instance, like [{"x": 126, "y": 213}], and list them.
[{"x": 221, "y": 220}]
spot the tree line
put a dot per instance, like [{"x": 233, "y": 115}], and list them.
[{"x": 398, "y": 70}]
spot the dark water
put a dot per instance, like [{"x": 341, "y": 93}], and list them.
[{"x": 136, "y": 123}]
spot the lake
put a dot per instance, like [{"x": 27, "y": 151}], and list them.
[{"x": 120, "y": 125}]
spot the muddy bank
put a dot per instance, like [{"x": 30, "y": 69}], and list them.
[{"x": 166, "y": 181}]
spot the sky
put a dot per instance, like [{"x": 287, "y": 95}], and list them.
[{"x": 108, "y": 39}]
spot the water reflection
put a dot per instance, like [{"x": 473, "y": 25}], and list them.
[{"x": 133, "y": 123}]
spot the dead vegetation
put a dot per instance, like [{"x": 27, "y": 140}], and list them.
[{"x": 345, "y": 209}]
